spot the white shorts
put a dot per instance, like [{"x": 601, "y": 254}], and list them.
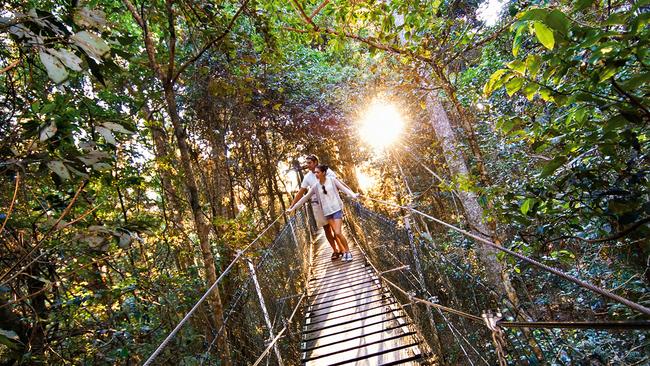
[{"x": 318, "y": 214}]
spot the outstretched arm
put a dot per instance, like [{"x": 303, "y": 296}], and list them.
[
  {"x": 300, "y": 202},
  {"x": 345, "y": 189},
  {"x": 299, "y": 195}
]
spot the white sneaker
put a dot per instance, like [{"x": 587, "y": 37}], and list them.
[{"x": 347, "y": 257}]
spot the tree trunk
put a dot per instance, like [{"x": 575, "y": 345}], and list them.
[
  {"x": 473, "y": 211},
  {"x": 466, "y": 122},
  {"x": 201, "y": 223},
  {"x": 495, "y": 272},
  {"x": 169, "y": 191},
  {"x": 233, "y": 203}
]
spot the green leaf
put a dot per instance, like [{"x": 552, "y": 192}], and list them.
[
  {"x": 508, "y": 124},
  {"x": 582, "y": 4},
  {"x": 533, "y": 63},
  {"x": 544, "y": 34},
  {"x": 605, "y": 50},
  {"x": 546, "y": 94},
  {"x": 607, "y": 72},
  {"x": 634, "y": 83},
  {"x": 615, "y": 122},
  {"x": 514, "y": 85},
  {"x": 533, "y": 14},
  {"x": 558, "y": 21},
  {"x": 59, "y": 168},
  {"x": 617, "y": 18},
  {"x": 489, "y": 86},
  {"x": 579, "y": 115},
  {"x": 527, "y": 205},
  {"x": 552, "y": 166},
  {"x": 55, "y": 69},
  {"x": 518, "y": 39},
  {"x": 518, "y": 66},
  {"x": 639, "y": 23},
  {"x": 591, "y": 37},
  {"x": 530, "y": 90}
]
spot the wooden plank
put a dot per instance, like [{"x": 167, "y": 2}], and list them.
[
  {"x": 351, "y": 313},
  {"x": 339, "y": 275},
  {"x": 352, "y": 290},
  {"x": 399, "y": 326},
  {"x": 375, "y": 321},
  {"x": 358, "y": 298},
  {"x": 341, "y": 280},
  {"x": 355, "y": 343},
  {"x": 342, "y": 287},
  {"x": 370, "y": 301},
  {"x": 338, "y": 264},
  {"x": 351, "y": 319},
  {"x": 364, "y": 328},
  {"x": 374, "y": 354},
  {"x": 357, "y": 314}
]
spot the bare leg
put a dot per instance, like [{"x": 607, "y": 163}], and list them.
[
  {"x": 338, "y": 241},
  {"x": 329, "y": 234},
  {"x": 336, "y": 226}
]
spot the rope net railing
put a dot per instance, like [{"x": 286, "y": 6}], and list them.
[
  {"x": 262, "y": 296},
  {"x": 281, "y": 276},
  {"x": 447, "y": 293}
]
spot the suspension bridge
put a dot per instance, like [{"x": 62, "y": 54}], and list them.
[{"x": 401, "y": 301}]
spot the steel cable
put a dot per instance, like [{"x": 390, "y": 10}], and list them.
[
  {"x": 205, "y": 296},
  {"x": 557, "y": 272}
]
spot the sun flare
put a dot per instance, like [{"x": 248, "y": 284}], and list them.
[
  {"x": 366, "y": 180},
  {"x": 381, "y": 125}
]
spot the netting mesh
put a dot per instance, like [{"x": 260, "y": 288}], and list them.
[
  {"x": 280, "y": 271},
  {"x": 278, "y": 274},
  {"x": 451, "y": 277},
  {"x": 437, "y": 272}
]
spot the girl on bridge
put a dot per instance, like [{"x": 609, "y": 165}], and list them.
[{"x": 327, "y": 189}]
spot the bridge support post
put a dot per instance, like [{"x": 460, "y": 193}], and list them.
[{"x": 267, "y": 318}]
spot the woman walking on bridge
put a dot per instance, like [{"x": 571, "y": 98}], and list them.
[{"x": 327, "y": 189}]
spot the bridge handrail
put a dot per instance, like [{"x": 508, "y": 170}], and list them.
[
  {"x": 187, "y": 316},
  {"x": 631, "y": 304}
]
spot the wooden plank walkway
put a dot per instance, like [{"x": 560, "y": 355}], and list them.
[{"x": 350, "y": 318}]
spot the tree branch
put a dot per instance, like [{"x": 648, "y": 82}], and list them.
[
  {"x": 52, "y": 229},
  {"x": 630, "y": 97},
  {"x": 480, "y": 43},
  {"x": 151, "y": 52},
  {"x": 318, "y": 9},
  {"x": 303, "y": 15},
  {"x": 618, "y": 235},
  {"x": 209, "y": 44},
  {"x": 367, "y": 41},
  {"x": 172, "y": 39},
  {"x": 11, "y": 66},
  {"x": 11, "y": 206}
]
